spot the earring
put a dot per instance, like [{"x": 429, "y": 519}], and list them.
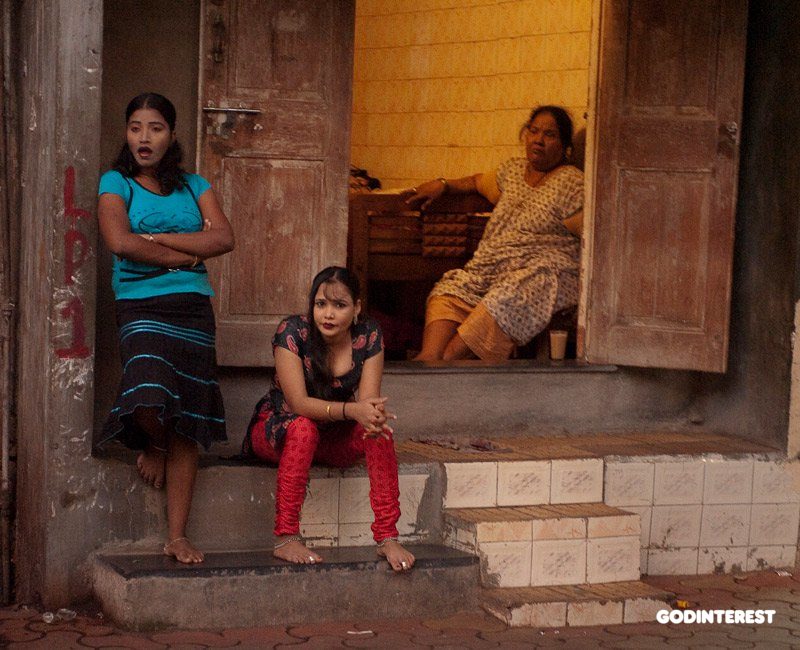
[{"x": 355, "y": 319}]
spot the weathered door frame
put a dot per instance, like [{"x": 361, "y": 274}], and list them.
[
  {"x": 589, "y": 171},
  {"x": 58, "y": 100},
  {"x": 9, "y": 286}
]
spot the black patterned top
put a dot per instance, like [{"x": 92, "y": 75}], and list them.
[{"x": 292, "y": 334}]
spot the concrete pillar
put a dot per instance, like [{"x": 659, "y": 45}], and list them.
[{"x": 59, "y": 89}]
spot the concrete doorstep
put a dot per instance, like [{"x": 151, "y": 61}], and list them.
[{"x": 252, "y": 588}]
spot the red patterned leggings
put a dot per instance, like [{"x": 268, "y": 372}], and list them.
[{"x": 340, "y": 446}]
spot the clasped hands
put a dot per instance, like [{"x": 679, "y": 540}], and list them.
[{"x": 371, "y": 414}]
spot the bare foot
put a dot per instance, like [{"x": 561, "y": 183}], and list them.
[
  {"x": 295, "y": 551},
  {"x": 397, "y": 557},
  {"x": 151, "y": 463},
  {"x": 183, "y": 551}
]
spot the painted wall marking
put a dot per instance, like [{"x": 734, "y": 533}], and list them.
[{"x": 76, "y": 250}]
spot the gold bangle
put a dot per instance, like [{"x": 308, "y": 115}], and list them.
[
  {"x": 328, "y": 411},
  {"x": 196, "y": 260}
]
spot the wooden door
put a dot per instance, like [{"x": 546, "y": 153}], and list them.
[
  {"x": 666, "y": 155},
  {"x": 274, "y": 142}
]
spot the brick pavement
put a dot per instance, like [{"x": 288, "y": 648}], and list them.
[{"x": 22, "y": 628}]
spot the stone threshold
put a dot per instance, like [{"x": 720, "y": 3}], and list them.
[
  {"x": 512, "y": 366},
  {"x": 611, "y": 445}
]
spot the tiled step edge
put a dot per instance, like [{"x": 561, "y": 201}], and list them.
[
  {"x": 523, "y": 482},
  {"x": 565, "y": 544},
  {"x": 578, "y": 605}
]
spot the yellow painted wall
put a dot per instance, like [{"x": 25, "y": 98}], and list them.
[{"x": 442, "y": 87}]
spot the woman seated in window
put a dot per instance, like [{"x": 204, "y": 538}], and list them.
[{"x": 526, "y": 266}]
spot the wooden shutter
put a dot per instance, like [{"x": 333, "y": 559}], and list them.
[{"x": 664, "y": 184}]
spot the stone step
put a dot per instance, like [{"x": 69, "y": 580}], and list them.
[
  {"x": 234, "y": 505},
  {"x": 246, "y": 589},
  {"x": 509, "y": 482},
  {"x": 566, "y": 544},
  {"x": 599, "y": 604}
]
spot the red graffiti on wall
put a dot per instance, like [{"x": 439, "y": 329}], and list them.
[
  {"x": 74, "y": 240},
  {"x": 78, "y": 349},
  {"x": 70, "y": 211}
]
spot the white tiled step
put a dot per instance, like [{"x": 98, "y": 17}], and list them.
[
  {"x": 531, "y": 546},
  {"x": 601, "y": 604},
  {"x": 523, "y": 483}
]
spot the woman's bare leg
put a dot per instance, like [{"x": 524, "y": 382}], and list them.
[
  {"x": 181, "y": 470},
  {"x": 151, "y": 461},
  {"x": 457, "y": 349},
  {"x": 435, "y": 337}
]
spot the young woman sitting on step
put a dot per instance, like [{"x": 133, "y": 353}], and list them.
[{"x": 325, "y": 405}]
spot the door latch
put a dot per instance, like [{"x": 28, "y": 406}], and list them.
[{"x": 226, "y": 118}]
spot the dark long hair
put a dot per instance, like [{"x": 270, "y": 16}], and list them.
[
  {"x": 318, "y": 352},
  {"x": 563, "y": 122},
  {"x": 169, "y": 172}
]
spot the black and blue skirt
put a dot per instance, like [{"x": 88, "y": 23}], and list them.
[{"x": 167, "y": 345}]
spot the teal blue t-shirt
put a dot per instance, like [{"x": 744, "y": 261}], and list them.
[{"x": 153, "y": 213}]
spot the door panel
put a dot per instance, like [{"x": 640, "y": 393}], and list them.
[
  {"x": 286, "y": 212},
  {"x": 660, "y": 297},
  {"x": 669, "y": 62},
  {"x": 666, "y": 158},
  {"x": 278, "y": 159}
]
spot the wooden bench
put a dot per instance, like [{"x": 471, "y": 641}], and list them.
[{"x": 390, "y": 243}]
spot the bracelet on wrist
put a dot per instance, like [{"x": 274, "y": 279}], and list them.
[
  {"x": 344, "y": 415},
  {"x": 443, "y": 181},
  {"x": 196, "y": 260},
  {"x": 328, "y": 411}
]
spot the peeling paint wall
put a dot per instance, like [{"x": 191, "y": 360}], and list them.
[{"x": 59, "y": 86}]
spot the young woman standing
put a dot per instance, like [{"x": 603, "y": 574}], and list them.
[{"x": 161, "y": 223}]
